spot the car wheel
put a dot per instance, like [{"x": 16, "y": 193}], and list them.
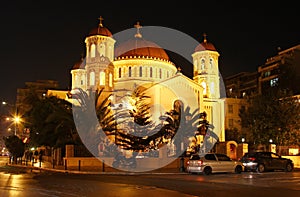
[
  {"x": 288, "y": 167},
  {"x": 260, "y": 168},
  {"x": 238, "y": 169},
  {"x": 207, "y": 171}
]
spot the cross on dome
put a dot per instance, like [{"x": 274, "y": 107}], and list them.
[
  {"x": 204, "y": 35},
  {"x": 100, "y": 21},
  {"x": 138, "y": 27}
]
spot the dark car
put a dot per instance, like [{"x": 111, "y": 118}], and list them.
[{"x": 266, "y": 161}]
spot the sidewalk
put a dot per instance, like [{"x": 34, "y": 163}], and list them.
[{"x": 47, "y": 166}]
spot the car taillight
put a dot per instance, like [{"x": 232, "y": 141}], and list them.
[
  {"x": 251, "y": 158},
  {"x": 200, "y": 162}
]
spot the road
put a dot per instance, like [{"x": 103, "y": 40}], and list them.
[{"x": 18, "y": 182}]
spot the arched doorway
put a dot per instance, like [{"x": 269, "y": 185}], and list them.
[{"x": 231, "y": 149}]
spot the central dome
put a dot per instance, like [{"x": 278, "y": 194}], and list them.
[{"x": 139, "y": 47}]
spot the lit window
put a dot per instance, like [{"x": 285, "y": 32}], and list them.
[
  {"x": 244, "y": 94},
  {"x": 230, "y": 90},
  {"x": 203, "y": 84},
  {"x": 93, "y": 50},
  {"x": 274, "y": 82},
  {"x": 102, "y": 78},
  {"x": 212, "y": 87},
  {"x": 92, "y": 78}
]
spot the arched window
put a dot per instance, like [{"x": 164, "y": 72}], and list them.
[
  {"x": 203, "y": 84},
  {"x": 82, "y": 81},
  {"x": 102, "y": 49},
  {"x": 120, "y": 72},
  {"x": 129, "y": 71},
  {"x": 141, "y": 71},
  {"x": 92, "y": 78},
  {"x": 160, "y": 73},
  {"x": 151, "y": 72},
  {"x": 93, "y": 50},
  {"x": 102, "y": 78},
  {"x": 211, "y": 63},
  {"x": 212, "y": 87},
  {"x": 76, "y": 81},
  {"x": 110, "y": 80},
  {"x": 202, "y": 64}
]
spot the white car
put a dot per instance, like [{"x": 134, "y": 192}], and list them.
[{"x": 213, "y": 163}]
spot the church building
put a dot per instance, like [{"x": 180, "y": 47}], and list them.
[{"x": 120, "y": 71}]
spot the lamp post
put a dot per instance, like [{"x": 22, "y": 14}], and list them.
[{"x": 16, "y": 120}]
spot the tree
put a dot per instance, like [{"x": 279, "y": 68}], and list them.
[
  {"x": 51, "y": 122},
  {"x": 273, "y": 115},
  {"x": 94, "y": 118},
  {"x": 15, "y": 146},
  {"x": 134, "y": 134}
]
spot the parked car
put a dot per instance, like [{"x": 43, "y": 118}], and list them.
[
  {"x": 266, "y": 161},
  {"x": 213, "y": 163}
]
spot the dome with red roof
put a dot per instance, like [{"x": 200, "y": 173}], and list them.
[
  {"x": 205, "y": 45},
  {"x": 100, "y": 30},
  {"x": 140, "y": 47}
]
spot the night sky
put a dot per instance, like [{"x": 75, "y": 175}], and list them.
[{"x": 44, "y": 39}]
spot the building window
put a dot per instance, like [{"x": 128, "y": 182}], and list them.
[
  {"x": 267, "y": 74},
  {"x": 202, "y": 64},
  {"x": 211, "y": 63},
  {"x": 212, "y": 87},
  {"x": 93, "y": 50},
  {"x": 92, "y": 78},
  {"x": 230, "y": 109},
  {"x": 274, "y": 82},
  {"x": 141, "y": 71},
  {"x": 230, "y": 123},
  {"x": 82, "y": 81},
  {"x": 120, "y": 72},
  {"x": 129, "y": 72},
  {"x": 110, "y": 80},
  {"x": 160, "y": 73},
  {"x": 102, "y": 49},
  {"x": 203, "y": 84},
  {"x": 151, "y": 72},
  {"x": 102, "y": 78},
  {"x": 167, "y": 74}
]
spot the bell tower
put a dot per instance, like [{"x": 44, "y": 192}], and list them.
[
  {"x": 99, "y": 57},
  {"x": 206, "y": 68}
]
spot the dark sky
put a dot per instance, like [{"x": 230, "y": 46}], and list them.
[{"x": 43, "y": 39}]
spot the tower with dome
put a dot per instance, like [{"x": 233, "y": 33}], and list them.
[{"x": 122, "y": 67}]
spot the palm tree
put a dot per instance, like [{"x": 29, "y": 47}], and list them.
[{"x": 94, "y": 118}]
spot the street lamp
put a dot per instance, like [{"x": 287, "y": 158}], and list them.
[{"x": 16, "y": 120}]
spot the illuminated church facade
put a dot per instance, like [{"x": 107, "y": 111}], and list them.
[{"x": 120, "y": 71}]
